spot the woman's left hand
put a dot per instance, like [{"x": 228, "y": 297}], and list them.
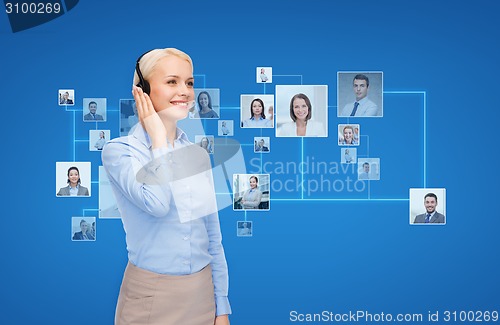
[{"x": 221, "y": 320}]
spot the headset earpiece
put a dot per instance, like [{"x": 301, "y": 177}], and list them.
[{"x": 143, "y": 83}]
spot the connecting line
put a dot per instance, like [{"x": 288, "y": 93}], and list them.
[
  {"x": 424, "y": 93},
  {"x": 245, "y": 215},
  {"x": 74, "y": 135},
  {"x": 289, "y": 75},
  {"x": 89, "y": 210},
  {"x": 231, "y": 107},
  {"x": 322, "y": 200},
  {"x": 264, "y": 88},
  {"x": 340, "y": 200},
  {"x": 368, "y": 155},
  {"x": 369, "y": 182},
  {"x": 302, "y": 159},
  {"x": 204, "y": 79},
  {"x": 367, "y": 146},
  {"x": 261, "y": 169},
  {"x": 72, "y": 110}
]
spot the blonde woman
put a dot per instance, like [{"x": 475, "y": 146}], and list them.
[{"x": 177, "y": 271}]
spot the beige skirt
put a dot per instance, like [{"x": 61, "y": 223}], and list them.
[{"x": 151, "y": 298}]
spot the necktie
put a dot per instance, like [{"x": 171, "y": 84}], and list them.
[
  {"x": 356, "y": 104},
  {"x": 428, "y": 218}
]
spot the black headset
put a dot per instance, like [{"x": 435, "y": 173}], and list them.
[{"x": 143, "y": 83}]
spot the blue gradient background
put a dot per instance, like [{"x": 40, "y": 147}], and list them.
[{"x": 304, "y": 256}]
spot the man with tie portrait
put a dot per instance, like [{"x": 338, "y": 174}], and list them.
[
  {"x": 431, "y": 215},
  {"x": 92, "y": 114},
  {"x": 362, "y": 106}
]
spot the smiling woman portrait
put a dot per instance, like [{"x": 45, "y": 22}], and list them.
[
  {"x": 301, "y": 125},
  {"x": 253, "y": 196},
  {"x": 205, "y": 106},
  {"x": 177, "y": 270},
  {"x": 74, "y": 187}
]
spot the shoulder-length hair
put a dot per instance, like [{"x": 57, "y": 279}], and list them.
[
  {"x": 261, "y": 103},
  {"x": 308, "y": 103}
]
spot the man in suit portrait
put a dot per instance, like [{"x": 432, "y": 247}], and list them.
[
  {"x": 92, "y": 115},
  {"x": 362, "y": 106},
  {"x": 85, "y": 233},
  {"x": 431, "y": 215},
  {"x": 64, "y": 99},
  {"x": 261, "y": 146}
]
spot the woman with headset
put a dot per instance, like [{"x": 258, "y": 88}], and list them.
[{"x": 177, "y": 271}]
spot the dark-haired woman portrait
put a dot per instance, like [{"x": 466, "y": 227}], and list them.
[
  {"x": 301, "y": 125},
  {"x": 74, "y": 187},
  {"x": 205, "y": 106},
  {"x": 253, "y": 196},
  {"x": 257, "y": 116}
]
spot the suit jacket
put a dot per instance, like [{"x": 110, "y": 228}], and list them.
[
  {"x": 82, "y": 191},
  {"x": 252, "y": 200},
  {"x": 66, "y": 102},
  {"x": 79, "y": 236},
  {"x": 436, "y": 218},
  {"x": 264, "y": 148},
  {"x": 89, "y": 117}
]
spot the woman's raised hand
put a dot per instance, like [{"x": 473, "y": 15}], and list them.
[{"x": 149, "y": 119}]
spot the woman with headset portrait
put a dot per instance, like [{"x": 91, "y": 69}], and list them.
[{"x": 177, "y": 270}]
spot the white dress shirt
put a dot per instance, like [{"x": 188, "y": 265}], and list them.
[
  {"x": 366, "y": 108},
  {"x": 313, "y": 129}
]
